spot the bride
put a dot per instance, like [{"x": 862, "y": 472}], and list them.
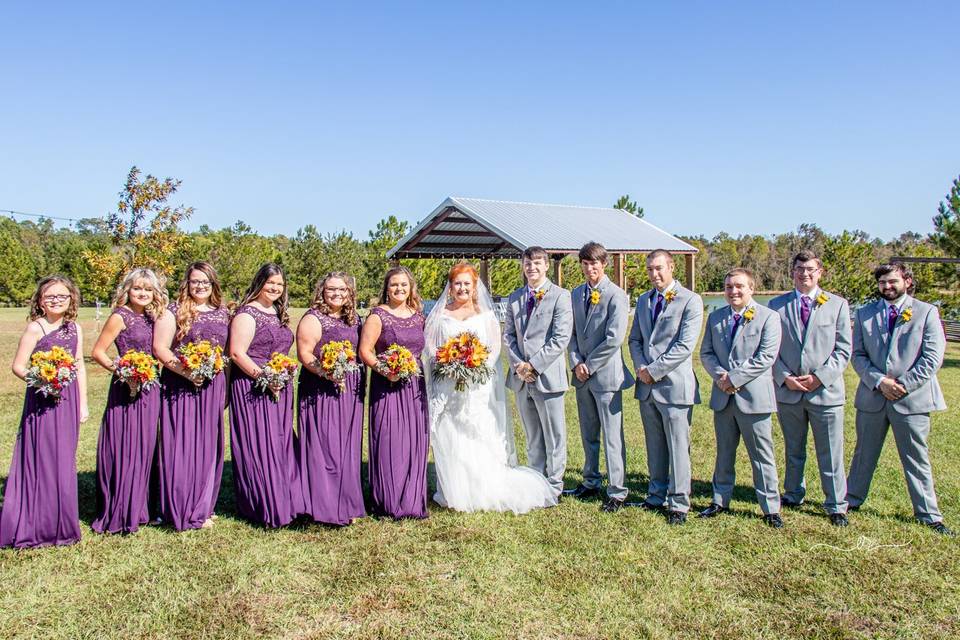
[{"x": 473, "y": 446}]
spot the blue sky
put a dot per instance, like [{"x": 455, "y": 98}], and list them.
[{"x": 746, "y": 118}]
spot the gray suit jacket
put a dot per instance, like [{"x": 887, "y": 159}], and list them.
[
  {"x": 823, "y": 348},
  {"x": 748, "y": 359},
  {"x": 598, "y": 335},
  {"x": 912, "y": 356},
  {"x": 666, "y": 349},
  {"x": 542, "y": 341}
]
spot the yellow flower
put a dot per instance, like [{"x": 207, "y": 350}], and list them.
[
  {"x": 822, "y": 298},
  {"x": 906, "y": 314},
  {"x": 595, "y": 296},
  {"x": 538, "y": 295},
  {"x": 670, "y": 295},
  {"x": 748, "y": 314},
  {"x": 48, "y": 371}
]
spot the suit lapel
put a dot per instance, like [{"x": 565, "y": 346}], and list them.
[
  {"x": 738, "y": 338},
  {"x": 793, "y": 319},
  {"x": 579, "y": 316},
  {"x": 900, "y": 326},
  {"x": 645, "y": 324}
]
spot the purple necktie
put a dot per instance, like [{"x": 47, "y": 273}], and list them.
[
  {"x": 531, "y": 303},
  {"x": 891, "y": 319},
  {"x": 586, "y": 298},
  {"x": 657, "y": 309},
  {"x": 805, "y": 304},
  {"x": 736, "y": 323}
]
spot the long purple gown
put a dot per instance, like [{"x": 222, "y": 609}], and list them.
[
  {"x": 191, "y": 432},
  {"x": 40, "y": 504},
  {"x": 128, "y": 439},
  {"x": 399, "y": 427},
  {"x": 265, "y": 478},
  {"x": 330, "y": 434}
]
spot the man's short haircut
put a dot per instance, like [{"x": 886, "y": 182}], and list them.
[
  {"x": 593, "y": 251},
  {"x": 534, "y": 252},
  {"x": 805, "y": 255},
  {"x": 741, "y": 271},
  {"x": 656, "y": 253},
  {"x": 889, "y": 267}
]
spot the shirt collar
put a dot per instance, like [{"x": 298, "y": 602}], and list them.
[
  {"x": 812, "y": 295},
  {"x": 742, "y": 311},
  {"x": 897, "y": 304},
  {"x": 670, "y": 287},
  {"x": 533, "y": 290}
]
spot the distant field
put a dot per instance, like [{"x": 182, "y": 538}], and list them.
[{"x": 568, "y": 572}]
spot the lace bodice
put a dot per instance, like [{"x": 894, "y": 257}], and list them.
[
  {"x": 406, "y": 332},
  {"x": 269, "y": 336},
  {"x": 209, "y": 325},
  {"x": 137, "y": 333},
  {"x": 334, "y": 330}
]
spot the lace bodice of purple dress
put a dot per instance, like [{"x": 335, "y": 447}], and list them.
[
  {"x": 269, "y": 337},
  {"x": 138, "y": 331},
  {"x": 406, "y": 332}
]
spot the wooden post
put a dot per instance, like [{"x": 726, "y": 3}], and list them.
[
  {"x": 394, "y": 263},
  {"x": 485, "y": 272},
  {"x": 619, "y": 274},
  {"x": 557, "y": 270},
  {"x": 690, "y": 264}
]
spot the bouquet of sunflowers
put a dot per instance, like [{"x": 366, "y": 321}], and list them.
[
  {"x": 202, "y": 359},
  {"x": 139, "y": 370},
  {"x": 397, "y": 362},
  {"x": 276, "y": 374},
  {"x": 51, "y": 371},
  {"x": 337, "y": 360},
  {"x": 463, "y": 358}
]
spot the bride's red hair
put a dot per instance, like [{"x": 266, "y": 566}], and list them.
[{"x": 461, "y": 268}]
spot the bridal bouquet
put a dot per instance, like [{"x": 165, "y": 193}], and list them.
[
  {"x": 276, "y": 374},
  {"x": 463, "y": 358},
  {"x": 139, "y": 370},
  {"x": 51, "y": 371},
  {"x": 337, "y": 360},
  {"x": 398, "y": 362},
  {"x": 202, "y": 359}
]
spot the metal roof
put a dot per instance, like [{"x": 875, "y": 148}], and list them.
[{"x": 470, "y": 227}]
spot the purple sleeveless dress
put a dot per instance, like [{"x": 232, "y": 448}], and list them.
[
  {"x": 40, "y": 505},
  {"x": 330, "y": 435},
  {"x": 191, "y": 432},
  {"x": 128, "y": 438},
  {"x": 265, "y": 480},
  {"x": 399, "y": 428}
]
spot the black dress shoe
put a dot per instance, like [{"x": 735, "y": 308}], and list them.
[
  {"x": 853, "y": 508},
  {"x": 773, "y": 520},
  {"x": 676, "y": 517},
  {"x": 839, "y": 519},
  {"x": 713, "y": 510},
  {"x": 612, "y": 505},
  {"x": 790, "y": 504},
  {"x": 942, "y": 529},
  {"x": 582, "y": 492}
]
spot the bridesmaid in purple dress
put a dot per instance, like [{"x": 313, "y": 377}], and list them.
[
  {"x": 399, "y": 425},
  {"x": 40, "y": 500},
  {"x": 330, "y": 421},
  {"x": 265, "y": 479},
  {"x": 191, "y": 411},
  {"x": 128, "y": 433}
]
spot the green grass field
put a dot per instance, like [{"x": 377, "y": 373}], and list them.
[{"x": 568, "y": 572}]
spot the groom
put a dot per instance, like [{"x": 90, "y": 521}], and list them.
[{"x": 537, "y": 331}]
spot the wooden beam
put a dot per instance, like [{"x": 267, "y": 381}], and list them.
[
  {"x": 430, "y": 227},
  {"x": 455, "y": 247},
  {"x": 925, "y": 260},
  {"x": 619, "y": 274},
  {"x": 485, "y": 272},
  {"x": 466, "y": 234},
  {"x": 557, "y": 271},
  {"x": 690, "y": 265}
]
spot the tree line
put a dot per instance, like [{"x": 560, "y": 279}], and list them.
[{"x": 146, "y": 230}]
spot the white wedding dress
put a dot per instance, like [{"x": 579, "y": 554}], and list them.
[{"x": 473, "y": 445}]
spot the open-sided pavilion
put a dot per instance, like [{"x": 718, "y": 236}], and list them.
[{"x": 483, "y": 230}]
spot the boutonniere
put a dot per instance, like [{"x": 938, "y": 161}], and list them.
[
  {"x": 669, "y": 296},
  {"x": 595, "y": 296},
  {"x": 906, "y": 314},
  {"x": 822, "y": 299},
  {"x": 748, "y": 314},
  {"x": 538, "y": 295}
]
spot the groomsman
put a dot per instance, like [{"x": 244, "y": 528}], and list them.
[
  {"x": 537, "y": 332},
  {"x": 600, "y": 310},
  {"x": 898, "y": 347},
  {"x": 814, "y": 351},
  {"x": 666, "y": 326},
  {"x": 739, "y": 348}
]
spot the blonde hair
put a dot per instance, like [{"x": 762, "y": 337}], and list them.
[
  {"x": 158, "y": 283},
  {"x": 45, "y": 283}
]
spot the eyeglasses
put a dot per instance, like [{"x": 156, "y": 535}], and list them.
[
  {"x": 340, "y": 290},
  {"x": 200, "y": 284},
  {"x": 63, "y": 297},
  {"x": 806, "y": 269}
]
